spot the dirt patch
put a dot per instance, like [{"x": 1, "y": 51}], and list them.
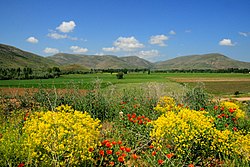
[
  {"x": 211, "y": 79},
  {"x": 237, "y": 98},
  {"x": 30, "y": 91}
]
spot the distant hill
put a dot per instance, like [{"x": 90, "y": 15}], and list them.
[
  {"x": 11, "y": 57},
  {"x": 101, "y": 62},
  {"x": 206, "y": 61}
]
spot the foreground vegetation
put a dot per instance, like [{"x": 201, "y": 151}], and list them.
[{"x": 143, "y": 126}]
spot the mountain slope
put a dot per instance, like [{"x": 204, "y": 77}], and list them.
[
  {"x": 206, "y": 61},
  {"x": 11, "y": 57},
  {"x": 101, "y": 62}
]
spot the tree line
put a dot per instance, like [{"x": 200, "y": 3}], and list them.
[{"x": 28, "y": 73}]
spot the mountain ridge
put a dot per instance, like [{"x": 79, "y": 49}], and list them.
[{"x": 12, "y": 57}]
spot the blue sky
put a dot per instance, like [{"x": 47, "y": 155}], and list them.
[{"x": 155, "y": 30}]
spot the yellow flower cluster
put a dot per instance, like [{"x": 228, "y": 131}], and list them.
[
  {"x": 230, "y": 105},
  {"x": 185, "y": 129},
  {"x": 63, "y": 137},
  {"x": 189, "y": 130},
  {"x": 165, "y": 104},
  {"x": 242, "y": 145}
]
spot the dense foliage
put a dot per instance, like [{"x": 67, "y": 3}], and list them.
[
  {"x": 122, "y": 128},
  {"x": 28, "y": 73}
]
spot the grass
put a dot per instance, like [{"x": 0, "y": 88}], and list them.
[{"x": 215, "y": 83}]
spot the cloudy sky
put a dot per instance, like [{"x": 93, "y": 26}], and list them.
[{"x": 152, "y": 29}]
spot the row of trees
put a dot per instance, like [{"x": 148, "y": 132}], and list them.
[{"x": 28, "y": 73}]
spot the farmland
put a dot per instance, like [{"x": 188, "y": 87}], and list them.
[{"x": 214, "y": 83}]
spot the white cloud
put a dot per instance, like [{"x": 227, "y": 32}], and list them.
[
  {"x": 55, "y": 35},
  {"x": 66, "y": 26},
  {"x": 77, "y": 49},
  {"x": 243, "y": 34},
  {"x": 226, "y": 42},
  {"x": 158, "y": 40},
  {"x": 51, "y": 50},
  {"x": 127, "y": 43},
  {"x": 172, "y": 32},
  {"x": 148, "y": 54},
  {"x": 111, "y": 49},
  {"x": 32, "y": 40}
]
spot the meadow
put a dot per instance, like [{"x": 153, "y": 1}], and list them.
[
  {"x": 142, "y": 120},
  {"x": 214, "y": 83}
]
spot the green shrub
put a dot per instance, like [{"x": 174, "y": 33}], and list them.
[{"x": 119, "y": 75}]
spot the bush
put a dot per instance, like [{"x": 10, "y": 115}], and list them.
[
  {"x": 196, "y": 135},
  {"x": 119, "y": 75},
  {"x": 197, "y": 98},
  {"x": 64, "y": 137}
]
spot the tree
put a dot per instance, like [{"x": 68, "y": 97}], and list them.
[{"x": 119, "y": 75}]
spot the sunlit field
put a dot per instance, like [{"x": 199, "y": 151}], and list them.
[{"x": 218, "y": 84}]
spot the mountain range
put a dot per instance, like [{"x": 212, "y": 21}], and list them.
[{"x": 12, "y": 57}]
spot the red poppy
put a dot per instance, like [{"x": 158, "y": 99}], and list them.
[
  {"x": 216, "y": 107},
  {"x": 124, "y": 155},
  {"x": 122, "y": 148},
  {"x": 101, "y": 152},
  {"x": 154, "y": 153},
  {"x": 114, "y": 142},
  {"x": 119, "y": 142},
  {"x": 108, "y": 144},
  {"x": 151, "y": 146},
  {"x": 104, "y": 142},
  {"x": 129, "y": 115},
  {"x": 234, "y": 128},
  {"x": 134, "y": 115},
  {"x": 127, "y": 149},
  {"x": 219, "y": 116},
  {"x": 117, "y": 153},
  {"x": 231, "y": 110},
  {"x": 222, "y": 108},
  {"x": 121, "y": 159},
  {"x": 202, "y": 109},
  {"x": 140, "y": 122},
  {"x": 21, "y": 165},
  {"x": 170, "y": 155},
  {"x": 111, "y": 163},
  {"x": 134, "y": 156},
  {"x": 109, "y": 152},
  {"x": 160, "y": 161},
  {"x": 191, "y": 165}
]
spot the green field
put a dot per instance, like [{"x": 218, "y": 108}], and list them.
[{"x": 215, "y": 83}]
